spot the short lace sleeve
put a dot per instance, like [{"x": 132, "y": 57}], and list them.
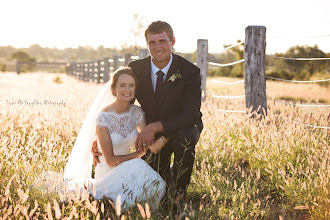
[
  {"x": 139, "y": 114},
  {"x": 101, "y": 121}
]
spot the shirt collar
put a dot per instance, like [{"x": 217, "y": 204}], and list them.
[{"x": 155, "y": 69}]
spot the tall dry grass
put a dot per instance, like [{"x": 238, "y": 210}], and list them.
[{"x": 245, "y": 168}]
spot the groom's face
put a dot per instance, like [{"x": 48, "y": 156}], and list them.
[{"x": 160, "y": 48}]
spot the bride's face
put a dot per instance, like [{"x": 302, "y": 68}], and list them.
[{"x": 125, "y": 88}]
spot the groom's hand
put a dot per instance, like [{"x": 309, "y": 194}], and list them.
[
  {"x": 147, "y": 135},
  {"x": 95, "y": 153},
  {"x": 145, "y": 139}
]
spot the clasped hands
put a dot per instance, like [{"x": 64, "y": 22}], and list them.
[{"x": 144, "y": 139}]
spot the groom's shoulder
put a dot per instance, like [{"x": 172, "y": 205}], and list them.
[
  {"x": 140, "y": 63},
  {"x": 185, "y": 64}
]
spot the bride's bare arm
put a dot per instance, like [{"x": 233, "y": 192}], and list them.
[
  {"x": 107, "y": 149},
  {"x": 158, "y": 144}
]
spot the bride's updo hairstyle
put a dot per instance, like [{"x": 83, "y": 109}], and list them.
[{"x": 119, "y": 72}]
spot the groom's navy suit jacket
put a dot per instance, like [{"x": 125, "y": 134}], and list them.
[{"x": 180, "y": 100}]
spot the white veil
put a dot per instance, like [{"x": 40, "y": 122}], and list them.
[{"x": 79, "y": 166}]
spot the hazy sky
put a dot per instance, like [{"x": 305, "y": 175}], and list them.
[{"x": 72, "y": 23}]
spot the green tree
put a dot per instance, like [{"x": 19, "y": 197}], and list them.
[
  {"x": 238, "y": 69},
  {"x": 303, "y": 68},
  {"x": 22, "y": 56},
  {"x": 231, "y": 55}
]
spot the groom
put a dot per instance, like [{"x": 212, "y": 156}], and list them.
[{"x": 170, "y": 95}]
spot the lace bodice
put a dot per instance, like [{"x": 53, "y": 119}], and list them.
[
  {"x": 122, "y": 124},
  {"x": 123, "y": 133}
]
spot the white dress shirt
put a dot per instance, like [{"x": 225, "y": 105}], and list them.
[{"x": 155, "y": 69}]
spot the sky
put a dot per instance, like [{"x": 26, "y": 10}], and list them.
[{"x": 73, "y": 23}]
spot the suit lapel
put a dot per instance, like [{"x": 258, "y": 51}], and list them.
[
  {"x": 147, "y": 84},
  {"x": 173, "y": 68},
  {"x": 147, "y": 76}
]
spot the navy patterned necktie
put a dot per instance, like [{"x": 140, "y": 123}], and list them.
[{"x": 159, "y": 83}]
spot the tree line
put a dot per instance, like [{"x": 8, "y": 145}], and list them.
[
  {"x": 10, "y": 55},
  {"x": 285, "y": 69}
]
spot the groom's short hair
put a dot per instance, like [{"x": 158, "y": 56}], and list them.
[{"x": 158, "y": 27}]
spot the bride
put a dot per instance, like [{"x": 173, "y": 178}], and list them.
[{"x": 121, "y": 172}]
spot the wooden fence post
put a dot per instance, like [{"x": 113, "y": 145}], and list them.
[
  {"x": 143, "y": 53},
  {"x": 254, "y": 67},
  {"x": 202, "y": 63},
  {"x": 106, "y": 72},
  {"x": 75, "y": 69},
  {"x": 80, "y": 73},
  {"x": 99, "y": 73},
  {"x": 18, "y": 67},
  {"x": 115, "y": 62},
  {"x": 90, "y": 71},
  {"x": 127, "y": 58},
  {"x": 95, "y": 70},
  {"x": 68, "y": 68},
  {"x": 85, "y": 71}
]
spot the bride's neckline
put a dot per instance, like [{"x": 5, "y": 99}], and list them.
[{"x": 116, "y": 113}]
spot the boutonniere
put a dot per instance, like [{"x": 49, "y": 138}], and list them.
[{"x": 175, "y": 76}]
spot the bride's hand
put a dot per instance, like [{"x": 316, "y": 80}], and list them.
[
  {"x": 95, "y": 153},
  {"x": 141, "y": 153}
]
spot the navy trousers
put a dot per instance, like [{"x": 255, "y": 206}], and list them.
[{"x": 182, "y": 144}]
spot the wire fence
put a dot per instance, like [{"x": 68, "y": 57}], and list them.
[
  {"x": 226, "y": 64},
  {"x": 99, "y": 70},
  {"x": 227, "y": 83},
  {"x": 300, "y": 105},
  {"x": 271, "y": 78},
  {"x": 300, "y": 59},
  {"x": 297, "y": 81}
]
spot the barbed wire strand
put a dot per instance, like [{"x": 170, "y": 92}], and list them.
[
  {"x": 226, "y": 64},
  {"x": 301, "y": 105},
  {"x": 286, "y": 103},
  {"x": 227, "y": 48},
  {"x": 297, "y": 81},
  {"x": 232, "y": 111},
  {"x": 239, "y": 111},
  {"x": 228, "y": 96},
  {"x": 303, "y": 59},
  {"x": 312, "y": 125},
  {"x": 274, "y": 78},
  {"x": 227, "y": 83},
  {"x": 326, "y": 35}
]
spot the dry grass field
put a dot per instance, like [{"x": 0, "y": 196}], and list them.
[{"x": 271, "y": 168}]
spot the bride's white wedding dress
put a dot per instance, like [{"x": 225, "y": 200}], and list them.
[{"x": 134, "y": 180}]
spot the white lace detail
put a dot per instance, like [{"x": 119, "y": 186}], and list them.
[
  {"x": 123, "y": 133},
  {"x": 122, "y": 124}
]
